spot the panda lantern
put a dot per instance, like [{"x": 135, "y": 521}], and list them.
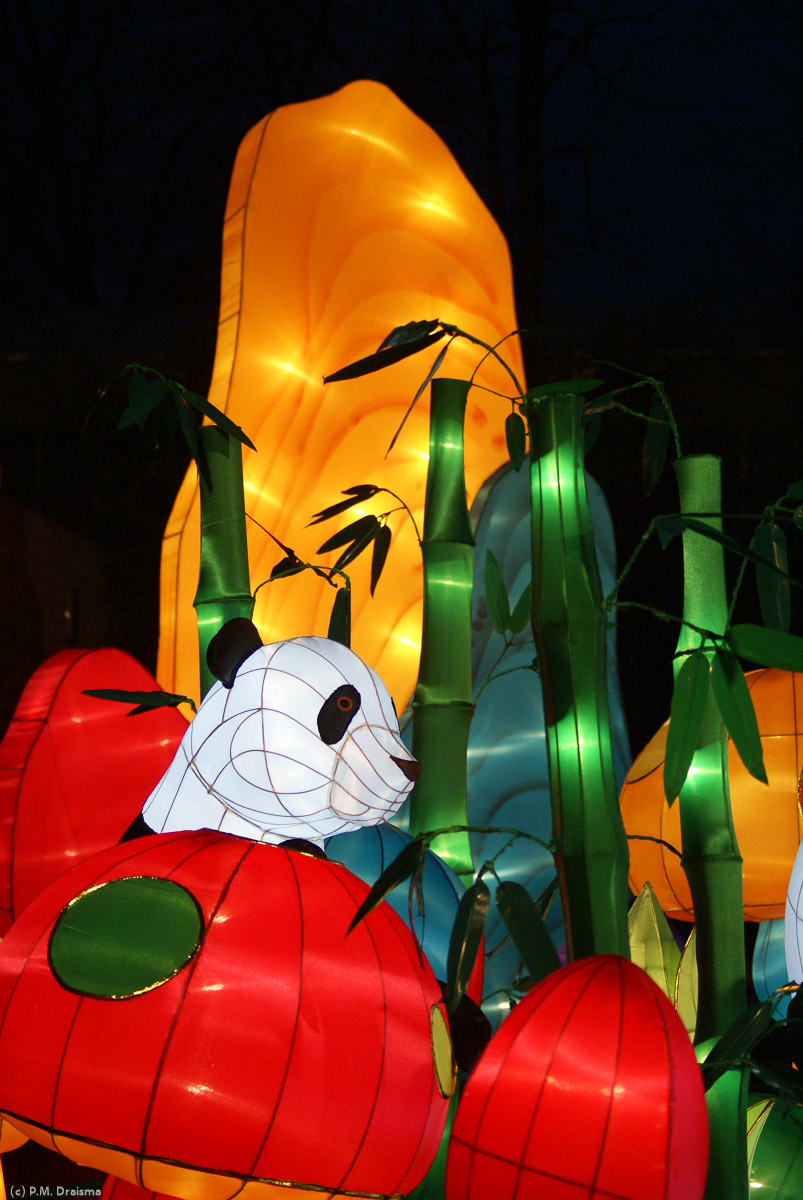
[{"x": 297, "y": 740}]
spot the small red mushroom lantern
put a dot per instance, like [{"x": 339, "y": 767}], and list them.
[
  {"x": 74, "y": 770},
  {"x": 768, "y": 819},
  {"x": 186, "y": 1012},
  {"x": 589, "y": 1089}
]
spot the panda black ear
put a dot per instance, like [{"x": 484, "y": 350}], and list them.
[{"x": 233, "y": 643}]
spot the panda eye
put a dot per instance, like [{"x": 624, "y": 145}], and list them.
[{"x": 337, "y": 712}]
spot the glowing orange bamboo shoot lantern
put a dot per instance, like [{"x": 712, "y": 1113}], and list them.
[
  {"x": 767, "y": 819},
  {"x": 187, "y": 1011},
  {"x": 346, "y": 216},
  {"x": 74, "y": 770}
]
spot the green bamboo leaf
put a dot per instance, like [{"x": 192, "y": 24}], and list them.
[
  {"x": 521, "y": 611},
  {"x": 526, "y": 926},
  {"x": 401, "y": 868},
  {"x": 349, "y": 533},
  {"x": 566, "y": 387},
  {"x": 737, "y": 1041},
  {"x": 593, "y": 424},
  {"x": 736, "y": 706},
  {"x": 669, "y": 527},
  {"x": 782, "y": 1080},
  {"x": 363, "y": 491},
  {"x": 688, "y": 704},
  {"x": 379, "y": 555},
  {"x": 515, "y": 439},
  {"x": 145, "y": 701},
  {"x": 656, "y": 442},
  {"x": 465, "y": 939},
  {"x": 144, "y": 395},
  {"x": 215, "y": 415},
  {"x": 774, "y": 595},
  {"x": 686, "y": 985},
  {"x": 767, "y": 647},
  {"x": 340, "y": 620},
  {"x": 385, "y": 358},
  {"x": 795, "y": 490},
  {"x": 652, "y": 942},
  {"x": 357, "y": 546},
  {"x": 496, "y": 594},
  {"x": 190, "y": 430},
  {"x": 287, "y": 566},
  {"x": 439, "y": 357},
  {"x": 413, "y": 331}
]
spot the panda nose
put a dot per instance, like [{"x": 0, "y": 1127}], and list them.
[{"x": 409, "y": 767}]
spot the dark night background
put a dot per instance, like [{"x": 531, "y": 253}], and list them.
[{"x": 642, "y": 157}]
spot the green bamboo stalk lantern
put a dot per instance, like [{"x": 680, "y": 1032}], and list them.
[
  {"x": 711, "y": 857},
  {"x": 442, "y": 703},
  {"x": 224, "y": 586},
  {"x": 569, "y": 624}
]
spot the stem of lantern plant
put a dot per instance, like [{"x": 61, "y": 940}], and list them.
[
  {"x": 442, "y": 705},
  {"x": 224, "y": 588},
  {"x": 569, "y": 624},
  {"x": 711, "y": 858}
]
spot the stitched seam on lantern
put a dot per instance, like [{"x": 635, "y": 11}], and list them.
[
  {"x": 672, "y": 1099},
  {"x": 292, "y": 1040},
  {"x": 617, "y": 965},
  {"x": 187, "y": 981},
  {"x": 539, "y": 1173}
]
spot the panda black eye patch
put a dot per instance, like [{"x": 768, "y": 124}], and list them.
[{"x": 337, "y": 712}]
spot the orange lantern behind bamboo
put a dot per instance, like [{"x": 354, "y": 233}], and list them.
[
  {"x": 768, "y": 819},
  {"x": 347, "y": 216}
]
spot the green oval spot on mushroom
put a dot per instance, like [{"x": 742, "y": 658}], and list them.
[{"x": 124, "y": 937}]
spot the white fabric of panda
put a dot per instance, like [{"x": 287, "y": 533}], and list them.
[
  {"x": 253, "y": 762},
  {"x": 793, "y": 922}
]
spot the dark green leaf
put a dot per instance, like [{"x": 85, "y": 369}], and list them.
[
  {"x": 566, "y": 387},
  {"x": 363, "y": 492},
  {"x": 599, "y": 405},
  {"x": 496, "y": 594},
  {"x": 797, "y": 518},
  {"x": 737, "y": 1041},
  {"x": 439, "y": 357},
  {"x": 783, "y": 1081},
  {"x": 145, "y": 701},
  {"x": 340, "y": 620},
  {"x": 144, "y": 395},
  {"x": 526, "y": 926},
  {"x": 380, "y": 553},
  {"x": 515, "y": 439},
  {"x": 688, "y": 704},
  {"x": 189, "y": 428},
  {"x": 464, "y": 942},
  {"x": 769, "y": 542},
  {"x": 357, "y": 546},
  {"x": 385, "y": 358},
  {"x": 768, "y": 647},
  {"x": 656, "y": 441},
  {"x": 413, "y": 331},
  {"x": 216, "y": 416},
  {"x": 401, "y": 868},
  {"x": 593, "y": 424},
  {"x": 795, "y": 490},
  {"x": 287, "y": 566},
  {"x": 350, "y": 533},
  {"x": 734, "y": 701},
  {"x": 521, "y": 611},
  {"x": 678, "y": 524}
]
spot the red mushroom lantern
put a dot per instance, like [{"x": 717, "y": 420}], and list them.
[
  {"x": 589, "y": 1089},
  {"x": 186, "y": 1012},
  {"x": 74, "y": 771}
]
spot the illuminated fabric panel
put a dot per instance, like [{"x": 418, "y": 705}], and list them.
[{"x": 347, "y": 216}]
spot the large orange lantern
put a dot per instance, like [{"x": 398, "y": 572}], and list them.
[
  {"x": 347, "y": 216},
  {"x": 187, "y": 1012},
  {"x": 767, "y": 819},
  {"x": 590, "y": 1088},
  {"x": 74, "y": 770}
]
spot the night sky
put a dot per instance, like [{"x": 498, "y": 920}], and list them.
[{"x": 665, "y": 138}]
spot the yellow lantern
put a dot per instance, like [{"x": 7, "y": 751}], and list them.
[
  {"x": 768, "y": 819},
  {"x": 347, "y": 216}
]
